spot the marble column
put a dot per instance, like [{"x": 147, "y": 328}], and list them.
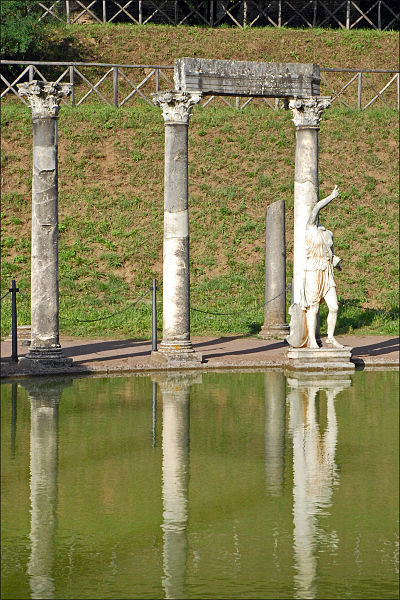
[
  {"x": 306, "y": 117},
  {"x": 175, "y": 393},
  {"x": 176, "y": 346},
  {"x": 275, "y": 325},
  {"x": 44, "y": 99}
]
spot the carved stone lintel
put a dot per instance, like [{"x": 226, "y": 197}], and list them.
[
  {"x": 44, "y": 97},
  {"x": 307, "y": 111},
  {"x": 176, "y": 106}
]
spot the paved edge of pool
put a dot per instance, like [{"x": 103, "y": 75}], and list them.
[{"x": 10, "y": 370}]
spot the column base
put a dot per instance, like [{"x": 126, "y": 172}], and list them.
[
  {"x": 175, "y": 353},
  {"x": 278, "y": 331},
  {"x": 320, "y": 359},
  {"x": 46, "y": 357}
]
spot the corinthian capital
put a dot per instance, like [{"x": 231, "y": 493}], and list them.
[
  {"x": 307, "y": 111},
  {"x": 176, "y": 106},
  {"x": 44, "y": 97}
]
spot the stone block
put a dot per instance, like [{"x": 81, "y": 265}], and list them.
[
  {"x": 177, "y": 359},
  {"x": 243, "y": 78},
  {"x": 320, "y": 359}
]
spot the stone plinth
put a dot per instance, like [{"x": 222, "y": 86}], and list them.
[
  {"x": 320, "y": 359},
  {"x": 243, "y": 78}
]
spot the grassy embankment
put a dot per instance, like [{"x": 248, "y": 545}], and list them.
[{"x": 111, "y": 179}]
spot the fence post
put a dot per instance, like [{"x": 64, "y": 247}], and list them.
[
  {"x": 348, "y": 15},
  {"x": 244, "y": 13},
  {"x": 140, "y": 13},
  {"x": 154, "y": 317},
  {"x": 280, "y": 13},
  {"x": 115, "y": 85},
  {"x": 237, "y": 102},
  {"x": 68, "y": 11},
  {"x": 104, "y": 12},
  {"x": 31, "y": 73},
  {"x": 398, "y": 91},
  {"x": 359, "y": 91},
  {"x": 157, "y": 80},
  {"x": 379, "y": 15},
  {"x": 71, "y": 80},
  {"x": 211, "y": 13},
  {"x": 14, "y": 341}
]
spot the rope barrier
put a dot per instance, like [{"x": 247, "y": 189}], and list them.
[
  {"x": 239, "y": 312},
  {"x": 343, "y": 303},
  {"x": 108, "y": 316}
]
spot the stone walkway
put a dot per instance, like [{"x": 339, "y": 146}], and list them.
[{"x": 234, "y": 352}]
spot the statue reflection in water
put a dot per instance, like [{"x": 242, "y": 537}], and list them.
[
  {"x": 175, "y": 391},
  {"x": 314, "y": 470},
  {"x": 44, "y": 398}
]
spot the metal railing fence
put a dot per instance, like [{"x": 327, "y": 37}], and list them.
[
  {"x": 117, "y": 84},
  {"x": 344, "y": 14}
]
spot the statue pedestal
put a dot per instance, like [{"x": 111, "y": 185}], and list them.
[{"x": 320, "y": 359}]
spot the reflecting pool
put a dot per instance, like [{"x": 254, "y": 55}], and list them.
[{"x": 217, "y": 485}]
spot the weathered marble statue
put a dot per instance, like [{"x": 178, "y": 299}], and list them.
[{"x": 318, "y": 283}]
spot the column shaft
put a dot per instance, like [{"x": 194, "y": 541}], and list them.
[
  {"x": 305, "y": 198},
  {"x": 176, "y": 298},
  {"x": 275, "y": 273},
  {"x": 44, "y": 258}
]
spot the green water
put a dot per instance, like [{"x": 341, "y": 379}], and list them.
[{"x": 238, "y": 485}]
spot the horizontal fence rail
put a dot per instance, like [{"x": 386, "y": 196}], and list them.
[
  {"x": 117, "y": 84},
  {"x": 344, "y": 14}
]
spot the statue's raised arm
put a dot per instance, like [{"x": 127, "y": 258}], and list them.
[{"x": 314, "y": 215}]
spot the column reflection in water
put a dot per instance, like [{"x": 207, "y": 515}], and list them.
[
  {"x": 314, "y": 470},
  {"x": 44, "y": 399},
  {"x": 275, "y": 412},
  {"x": 175, "y": 392}
]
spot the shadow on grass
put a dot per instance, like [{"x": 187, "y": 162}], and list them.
[{"x": 353, "y": 316}]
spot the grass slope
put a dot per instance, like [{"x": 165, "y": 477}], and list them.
[
  {"x": 111, "y": 197},
  {"x": 161, "y": 44}
]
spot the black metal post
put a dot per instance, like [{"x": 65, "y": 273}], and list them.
[
  {"x": 154, "y": 317},
  {"x": 14, "y": 341},
  {"x": 13, "y": 417},
  {"x": 154, "y": 412}
]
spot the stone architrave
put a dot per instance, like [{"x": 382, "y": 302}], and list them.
[
  {"x": 176, "y": 346},
  {"x": 306, "y": 118},
  {"x": 245, "y": 78},
  {"x": 44, "y": 99},
  {"x": 275, "y": 325}
]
